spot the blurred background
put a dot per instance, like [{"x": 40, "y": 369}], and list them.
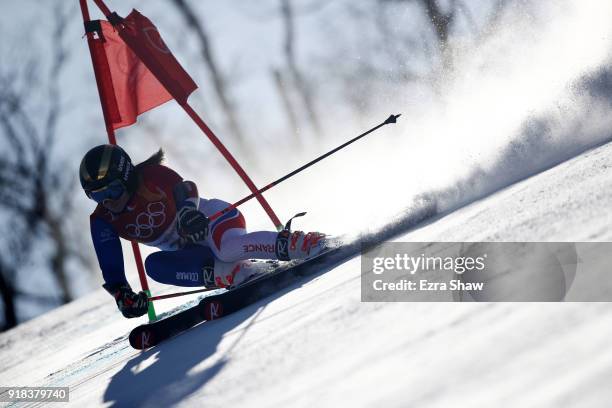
[{"x": 490, "y": 91}]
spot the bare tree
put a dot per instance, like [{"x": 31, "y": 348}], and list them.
[
  {"x": 290, "y": 111},
  {"x": 442, "y": 21},
  {"x": 7, "y": 292},
  {"x": 219, "y": 81},
  {"x": 35, "y": 194},
  {"x": 301, "y": 86}
]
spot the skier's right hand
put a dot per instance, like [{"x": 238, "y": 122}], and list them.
[
  {"x": 192, "y": 225},
  {"x": 129, "y": 303}
]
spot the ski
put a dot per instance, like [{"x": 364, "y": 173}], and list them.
[{"x": 216, "y": 306}]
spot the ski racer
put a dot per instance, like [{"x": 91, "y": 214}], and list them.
[{"x": 151, "y": 204}]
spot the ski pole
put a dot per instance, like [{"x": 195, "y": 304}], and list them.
[
  {"x": 390, "y": 119},
  {"x": 171, "y": 295}
]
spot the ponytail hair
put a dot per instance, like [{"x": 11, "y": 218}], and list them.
[{"x": 155, "y": 159}]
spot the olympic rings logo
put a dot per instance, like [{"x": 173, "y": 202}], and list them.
[{"x": 146, "y": 222}]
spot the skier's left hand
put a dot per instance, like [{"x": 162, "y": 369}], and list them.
[
  {"x": 130, "y": 304},
  {"x": 192, "y": 225}
]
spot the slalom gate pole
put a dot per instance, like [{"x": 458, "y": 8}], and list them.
[
  {"x": 112, "y": 140},
  {"x": 390, "y": 119}
]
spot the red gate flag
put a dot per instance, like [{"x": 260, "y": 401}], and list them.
[
  {"x": 127, "y": 87},
  {"x": 144, "y": 39},
  {"x": 129, "y": 65}
]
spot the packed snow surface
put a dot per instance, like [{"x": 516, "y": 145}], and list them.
[{"x": 317, "y": 344}]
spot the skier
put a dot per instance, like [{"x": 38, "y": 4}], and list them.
[{"x": 151, "y": 204}]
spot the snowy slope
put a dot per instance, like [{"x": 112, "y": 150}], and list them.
[{"x": 318, "y": 345}]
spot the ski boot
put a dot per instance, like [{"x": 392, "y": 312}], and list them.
[
  {"x": 297, "y": 244},
  {"x": 231, "y": 274}
]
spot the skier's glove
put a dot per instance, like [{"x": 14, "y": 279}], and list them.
[
  {"x": 129, "y": 303},
  {"x": 192, "y": 224}
]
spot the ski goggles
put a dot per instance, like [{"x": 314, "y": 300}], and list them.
[{"x": 112, "y": 191}]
